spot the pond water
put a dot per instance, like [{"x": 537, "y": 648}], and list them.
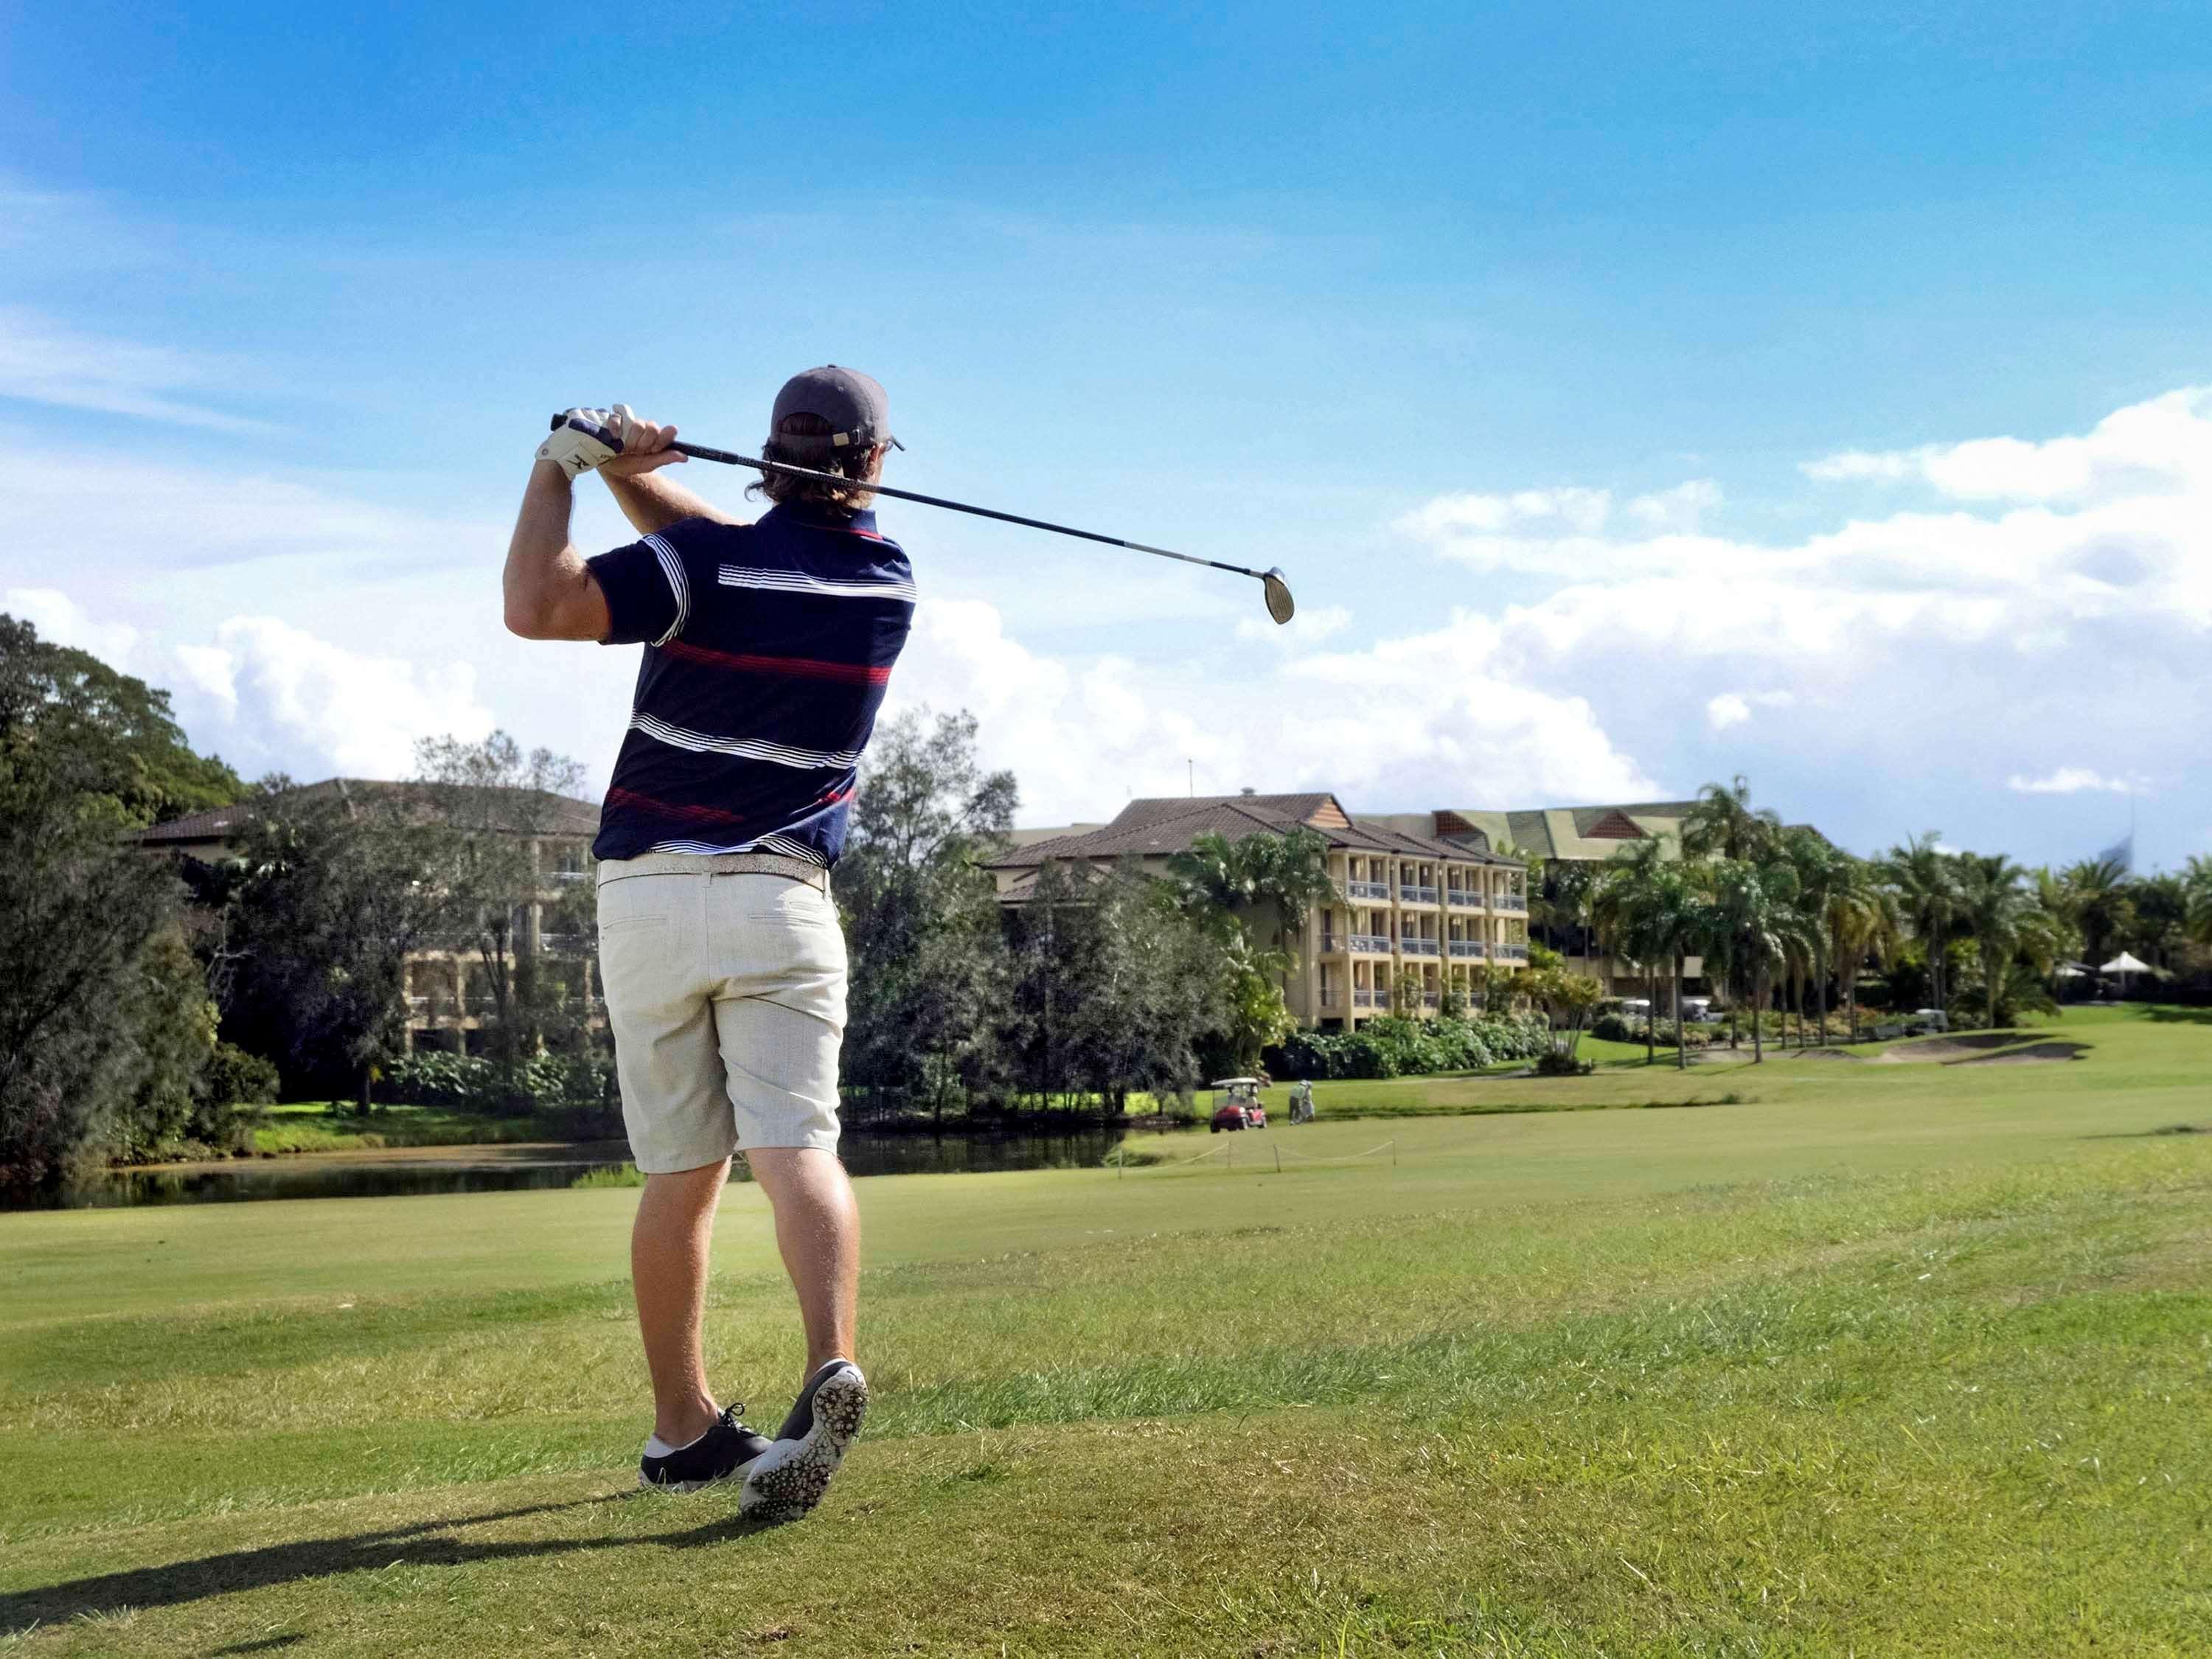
[{"x": 404, "y": 1171}]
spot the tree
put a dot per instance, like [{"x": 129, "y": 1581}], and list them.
[
  {"x": 103, "y": 1013},
  {"x": 2098, "y": 902},
  {"x": 1824, "y": 875},
  {"x": 1722, "y": 825},
  {"x": 1762, "y": 927},
  {"x": 1927, "y": 884},
  {"x": 1633, "y": 905},
  {"x": 1115, "y": 987},
  {"x": 97, "y": 732},
  {"x": 495, "y": 806},
  {"x": 1566, "y": 997},
  {"x": 330, "y": 892},
  {"x": 1863, "y": 922},
  {"x": 2198, "y": 878},
  {"x": 930, "y": 975},
  {"x": 1275, "y": 878}
]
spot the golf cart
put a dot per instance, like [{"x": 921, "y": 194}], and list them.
[{"x": 1237, "y": 1104}]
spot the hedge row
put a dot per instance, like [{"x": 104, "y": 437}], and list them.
[
  {"x": 1391, "y": 1047},
  {"x": 470, "y": 1082}
]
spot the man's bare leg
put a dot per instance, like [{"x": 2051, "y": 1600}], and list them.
[
  {"x": 668, "y": 1246},
  {"x": 817, "y": 1228}
]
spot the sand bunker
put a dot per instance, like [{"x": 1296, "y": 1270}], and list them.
[
  {"x": 1931, "y": 1049},
  {"x": 2031, "y": 1054},
  {"x": 1828, "y": 1054}
]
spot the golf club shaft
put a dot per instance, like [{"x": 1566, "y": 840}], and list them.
[{"x": 701, "y": 453}]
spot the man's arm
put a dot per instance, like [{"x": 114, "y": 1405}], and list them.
[
  {"x": 550, "y": 592},
  {"x": 652, "y": 503}
]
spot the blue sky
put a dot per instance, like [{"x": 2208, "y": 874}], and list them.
[{"x": 1619, "y": 383}]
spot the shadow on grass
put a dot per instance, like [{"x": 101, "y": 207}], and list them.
[
  {"x": 2168, "y": 1013},
  {"x": 426, "y": 1544}
]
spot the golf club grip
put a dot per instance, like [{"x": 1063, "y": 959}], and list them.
[{"x": 701, "y": 453}]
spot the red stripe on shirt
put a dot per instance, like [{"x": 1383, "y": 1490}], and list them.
[
  {"x": 799, "y": 668},
  {"x": 630, "y": 798}
]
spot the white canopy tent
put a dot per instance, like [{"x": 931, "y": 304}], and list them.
[{"x": 2123, "y": 964}]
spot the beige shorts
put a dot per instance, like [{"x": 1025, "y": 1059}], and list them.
[{"x": 727, "y": 993}]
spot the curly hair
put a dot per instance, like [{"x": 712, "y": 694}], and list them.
[{"x": 780, "y": 487}]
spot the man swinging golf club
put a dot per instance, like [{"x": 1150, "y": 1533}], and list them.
[{"x": 768, "y": 645}]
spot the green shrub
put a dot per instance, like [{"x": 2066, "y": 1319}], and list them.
[
  {"x": 233, "y": 1077},
  {"x": 1551, "y": 1063},
  {"x": 544, "y": 1083},
  {"x": 1391, "y": 1047}
]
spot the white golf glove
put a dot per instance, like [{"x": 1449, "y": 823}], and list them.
[{"x": 587, "y": 438}]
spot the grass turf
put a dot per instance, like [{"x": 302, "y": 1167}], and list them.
[{"x": 1889, "y": 1359}]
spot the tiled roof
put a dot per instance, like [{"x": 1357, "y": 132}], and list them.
[
  {"x": 565, "y": 815},
  {"x": 1564, "y": 832},
  {"x": 1150, "y": 829}
]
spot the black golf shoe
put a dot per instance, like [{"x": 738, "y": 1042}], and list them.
[
  {"x": 789, "y": 1478},
  {"x": 727, "y": 1449}
]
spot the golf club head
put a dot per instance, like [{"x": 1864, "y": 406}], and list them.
[{"x": 1280, "y": 605}]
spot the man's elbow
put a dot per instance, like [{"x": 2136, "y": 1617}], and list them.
[{"x": 526, "y": 621}]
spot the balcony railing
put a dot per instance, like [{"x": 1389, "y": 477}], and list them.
[
  {"x": 1409, "y": 894},
  {"x": 1463, "y": 898},
  {"x": 1418, "y": 947},
  {"x": 1510, "y": 901},
  {"x": 1331, "y": 942},
  {"x": 1367, "y": 890},
  {"x": 1362, "y": 998},
  {"x": 1374, "y": 945},
  {"x": 1465, "y": 947},
  {"x": 1511, "y": 952}
]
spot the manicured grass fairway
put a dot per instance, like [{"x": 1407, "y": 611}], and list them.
[{"x": 1891, "y": 1359}]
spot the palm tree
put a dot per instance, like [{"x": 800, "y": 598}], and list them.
[
  {"x": 1287, "y": 875},
  {"x": 2099, "y": 904},
  {"x": 1763, "y": 925},
  {"x": 1993, "y": 907},
  {"x": 2197, "y": 878},
  {"x": 1724, "y": 823},
  {"x": 1864, "y": 920},
  {"x": 1927, "y": 883},
  {"x": 1824, "y": 874},
  {"x": 1628, "y": 906}
]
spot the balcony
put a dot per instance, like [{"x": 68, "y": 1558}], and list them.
[
  {"x": 1408, "y": 894},
  {"x": 1465, "y": 947},
  {"x": 1362, "y": 997},
  {"x": 1367, "y": 890},
  {"x": 1510, "y": 901},
  {"x": 1418, "y": 947},
  {"x": 1511, "y": 952},
  {"x": 1373, "y": 944},
  {"x": 1465, "y": 899},
  {"x": 1331, "y": 944}
]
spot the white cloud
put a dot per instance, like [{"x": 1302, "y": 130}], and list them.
[
  {"x": 1310, "y": 627},
  {"x": 277, "y": 697},
  {"x": 1734, "y": 707},
  {"x": 61, "y": 621},
  {"x": 2140, "y": 446},
  {"x": 271, "y": 697},
  {"x": 1585, "y": 511},
  {"x": 44, "y": 362},
  {"x": 1404, "y": 723},
  {"x": 2067, "y": 780},
  {"x": 1679, "y": 508}
]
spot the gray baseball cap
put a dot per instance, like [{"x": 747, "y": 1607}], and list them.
[{"x": 853, "y": 403}]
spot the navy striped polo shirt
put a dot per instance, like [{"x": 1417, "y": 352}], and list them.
[{"x": 768, "y": 648}]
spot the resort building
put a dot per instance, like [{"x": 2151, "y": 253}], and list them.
[
  {"x": 1417, "y": 909},
  {"x": 448, "y": 998},
  {"x": 1564, "y": 836}
]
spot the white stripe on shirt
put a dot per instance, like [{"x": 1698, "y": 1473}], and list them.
[
  {"x": 776, "y": 844},
  {"x": 778, "y": 754},
  {"x": 795, "y": 581},
  {"x": 672, "y": 566}
]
